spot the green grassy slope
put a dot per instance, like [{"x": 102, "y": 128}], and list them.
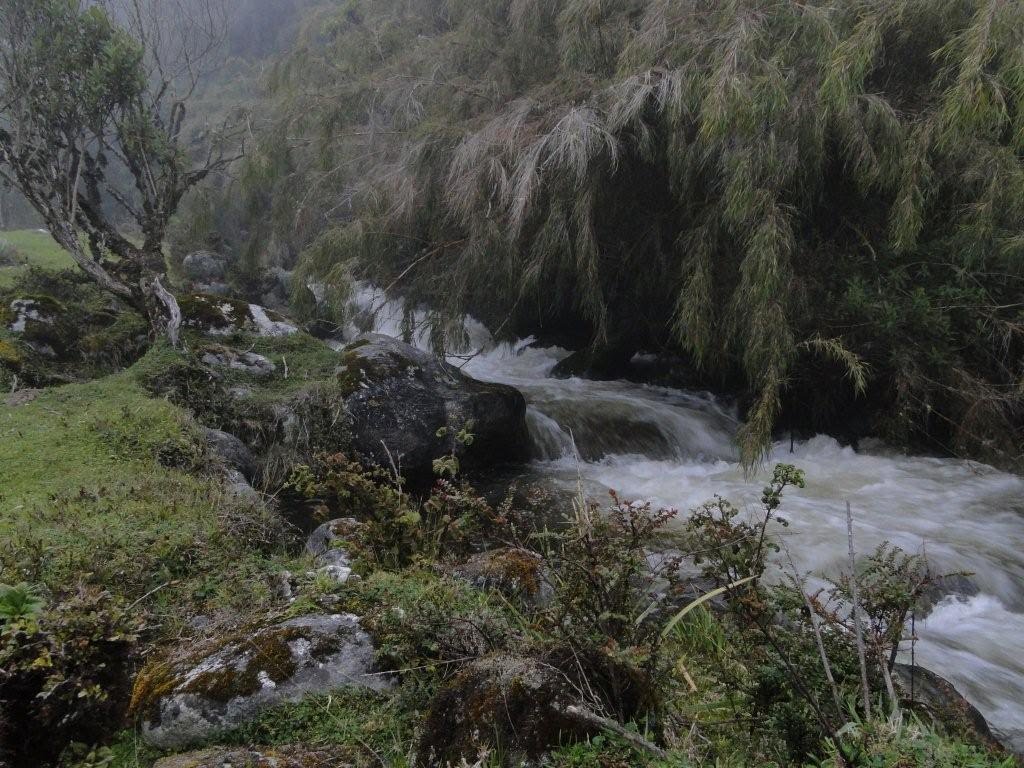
[
  {"x": 34, "y": 248},
  {"x": 101, "y": 484}
]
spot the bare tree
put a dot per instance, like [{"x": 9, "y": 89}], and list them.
[{"x": 93, "y": 104}]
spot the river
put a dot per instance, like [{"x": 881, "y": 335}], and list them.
[{"x": 677, "y": 449}]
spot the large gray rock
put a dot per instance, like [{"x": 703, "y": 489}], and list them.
[
  {"x": 221, "y": 316},
  {"x": 187, "y": 701},
  {"x": 232, "y": 451},
  {"x": 406, "y": 407},
  {"x": 204, "y": 267}
]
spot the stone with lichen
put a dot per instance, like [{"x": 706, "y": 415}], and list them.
[
  {"x": 222, "y": 316},
  {"x": 188, "y": 699}
]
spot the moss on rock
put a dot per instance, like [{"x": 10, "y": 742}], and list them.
[
  {"x": 228, "y": 681},
  {"x": 10, "y": 355}
]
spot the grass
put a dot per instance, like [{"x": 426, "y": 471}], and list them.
[
  {"x": 105, "y": 485},
  {"x": 33, "y": 248},
  {"x": 375, "y": 725}
]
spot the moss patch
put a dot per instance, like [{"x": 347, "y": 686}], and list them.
[
  {"x": 357, "y": 370},
  {"x": 10, "y": 355},
  {"x": 91, "y": 494},
  {"x": 89, "y": 333},
  {"x": 216, "y": 313},
  {"x": 266, "y": 652}
]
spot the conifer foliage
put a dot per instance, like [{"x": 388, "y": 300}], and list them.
[{"x": 822, "y": 200}]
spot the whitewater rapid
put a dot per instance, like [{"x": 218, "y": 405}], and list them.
[{"x": 677, "y": 449}]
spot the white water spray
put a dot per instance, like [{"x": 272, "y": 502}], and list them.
[{"x": 677, "y": 449}]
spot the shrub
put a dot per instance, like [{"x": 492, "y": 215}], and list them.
[
  {"x": 603, "y": 589},
  {"x": 396, "y": 529},
  {"x": 908, "y": 743},
  {"x": 19, "y": 602},
  {"x": 64, "y": 674}
]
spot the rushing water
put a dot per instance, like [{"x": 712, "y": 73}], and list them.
[{"x": 676, "y": 449}]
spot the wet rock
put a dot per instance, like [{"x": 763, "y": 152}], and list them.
[
  {"x": 232, "y": 451},
  {"x": 332, "y": 560},
  {"x": 270, "y": 757},
  {"x": 922, "y": 689},
  {"x": 220, "y": 316},
  {"x": 516, "y": 573},
  {"x": 39, "y": 323},
  {"x": 406, "y": 408},
  {"x": 187, "y": 700},
  {"x": 246, "y": 362},
  {"x": 516, "y": 704},
  {"x": 204, "y": 267},
  {"x": 598, "y": 363},
  {"x": 958, "y": 585}
]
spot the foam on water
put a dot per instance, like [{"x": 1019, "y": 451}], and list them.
[
  {"x": 964, "y": 516},
  {"x": 676, "y": 449}
]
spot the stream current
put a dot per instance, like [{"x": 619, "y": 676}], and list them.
[{"x": 677, "y": 449}]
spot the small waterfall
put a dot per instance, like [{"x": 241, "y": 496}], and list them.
[{"x": 676, "y": 449}]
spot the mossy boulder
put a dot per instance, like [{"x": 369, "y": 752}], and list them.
[
  {"x": 513, "y": 706},
  {"x": 184, "y": 701},
  {"x": 231, "y": 452},
  {"x": 60, "y": 328},
  {"x": 924, "y": 691},
  {"x": 10, "y": 356},
  {"x": 407, "y": 407},
  {"x": 515, "y": 572},
  {"x": 221, "y": 316},
  {"x": 41, "y": 323}
]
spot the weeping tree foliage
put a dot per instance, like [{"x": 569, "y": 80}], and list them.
[{"x": 821, "y": 200}]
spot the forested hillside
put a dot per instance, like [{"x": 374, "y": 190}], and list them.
[{"x": 819, "y": 204}]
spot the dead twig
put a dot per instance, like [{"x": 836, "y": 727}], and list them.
[
  {"x": 638, "y": 741},
  {"x": 858, "y": 632}
]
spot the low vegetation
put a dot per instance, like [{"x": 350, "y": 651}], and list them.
[{"x": 120, "y": 538}]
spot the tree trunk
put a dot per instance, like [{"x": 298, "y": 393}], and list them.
[
  {"x": 149, "y": 297},
  {"x": 162, "y": 310}
]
